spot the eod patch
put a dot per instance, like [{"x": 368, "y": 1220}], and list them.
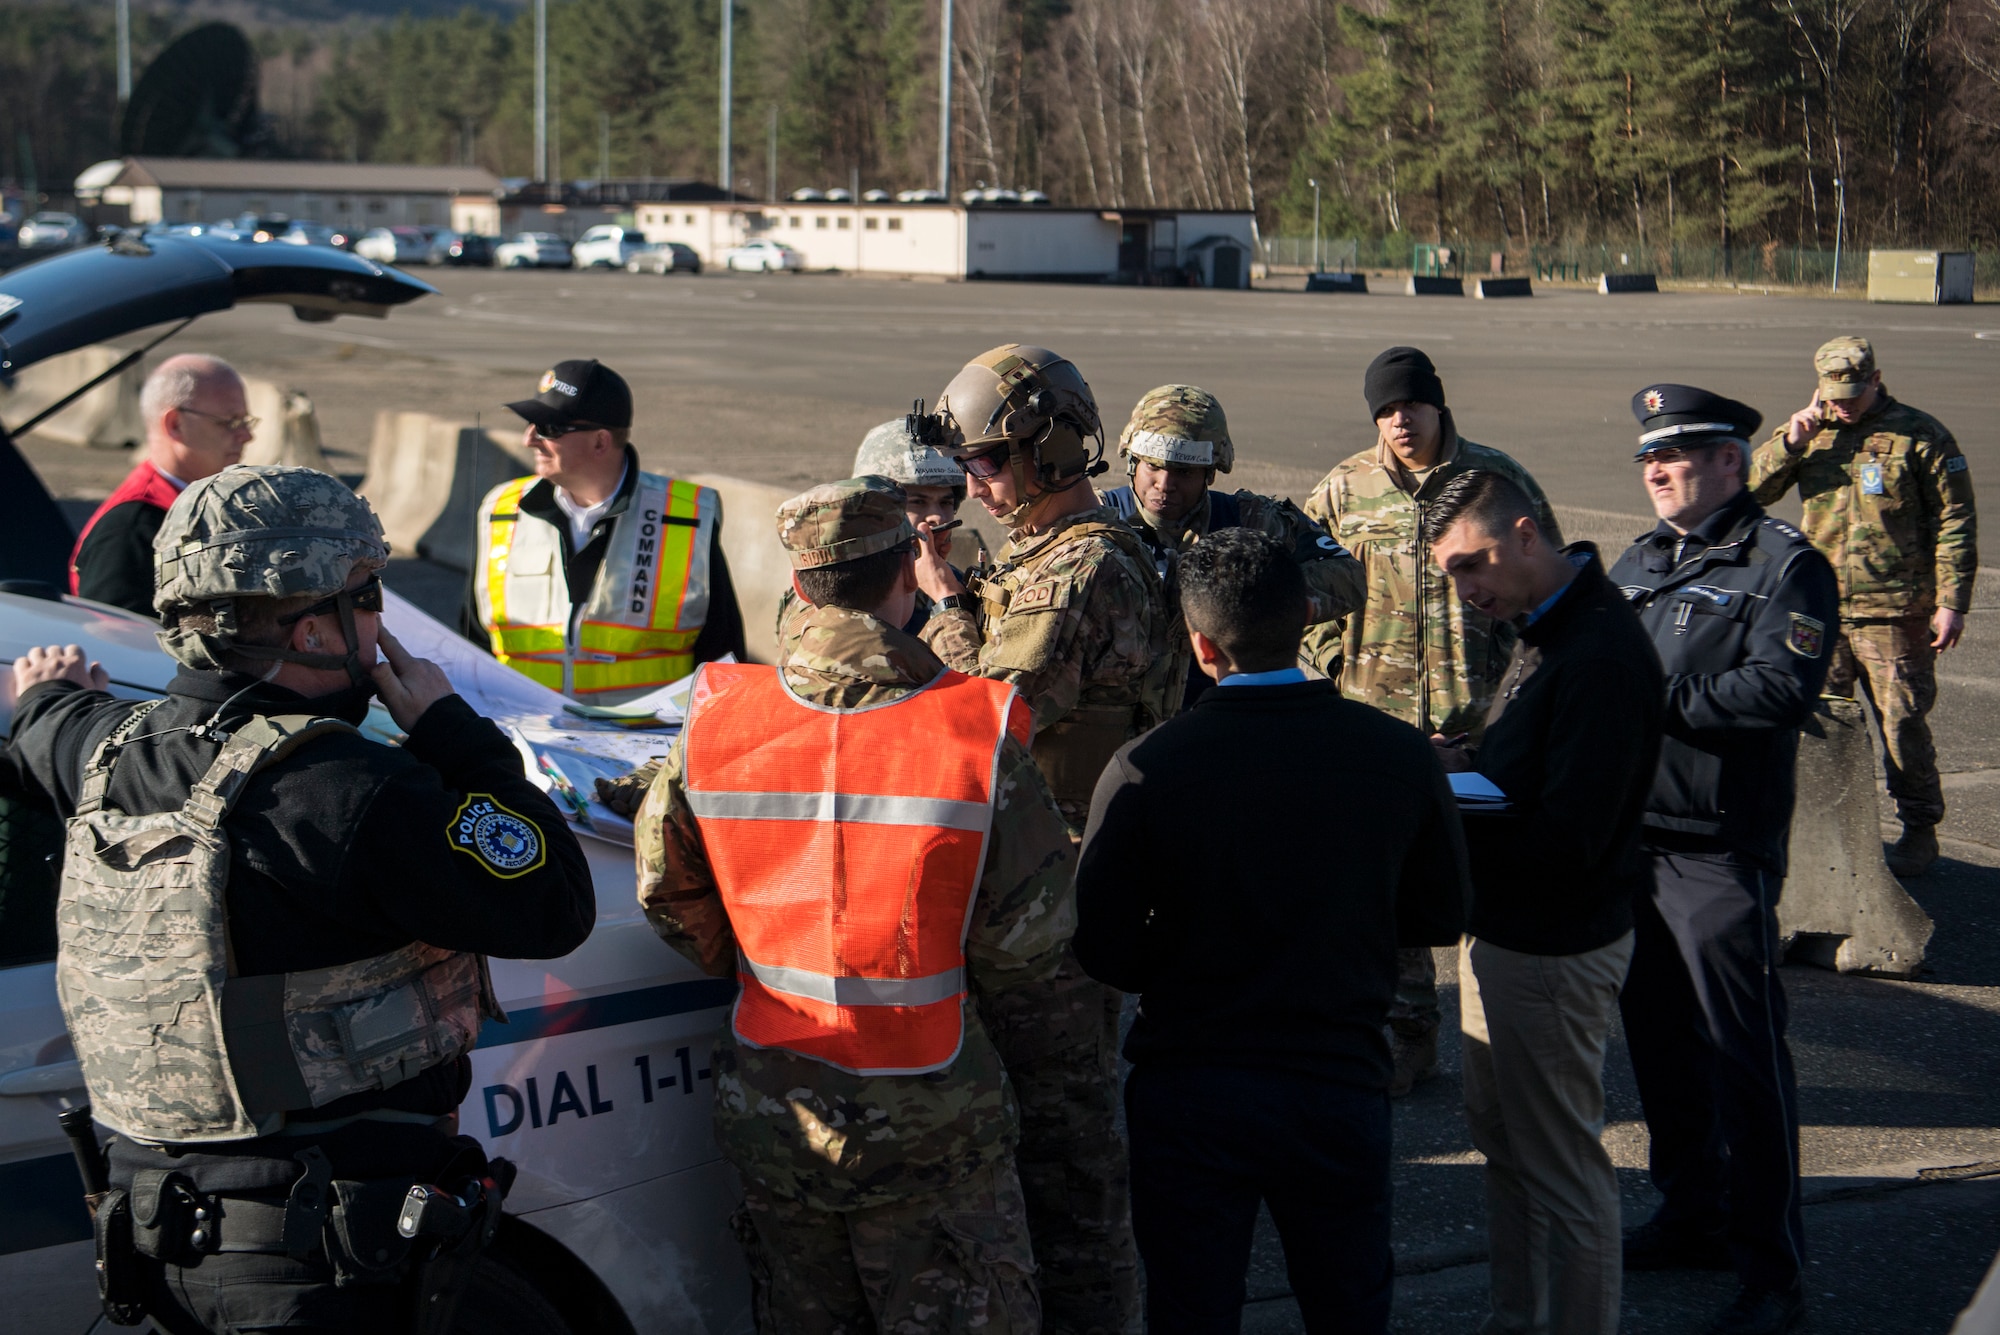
[{"x": 507, "y": 843}]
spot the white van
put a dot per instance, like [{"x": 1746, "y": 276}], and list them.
[{"x": 598, "y": 1086}]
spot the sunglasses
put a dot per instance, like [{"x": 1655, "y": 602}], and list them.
[
  {"x": 987, "y": 465},
  {"x": 554, "y": 434},
  {"x": 241, "y": 422},
  {"x": 367, "y": 598}
]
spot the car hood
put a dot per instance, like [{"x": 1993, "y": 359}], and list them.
[{"x": 87, "y": 296}]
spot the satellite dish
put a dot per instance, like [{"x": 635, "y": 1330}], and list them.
[{"x": 198, "y": 99}]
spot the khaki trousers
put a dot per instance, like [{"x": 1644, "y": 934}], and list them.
[{"x": 1535, "y": 1031}]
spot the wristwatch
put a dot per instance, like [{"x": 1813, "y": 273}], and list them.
[{"x": 951, "y": 602}]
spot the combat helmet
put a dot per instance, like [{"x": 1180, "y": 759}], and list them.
[
  {"x": 261, "y": 531},
  {"x": 1030, "y": 399},
  {"x": 890, "y": 451},
  {"x": 1177, "y": 424}
]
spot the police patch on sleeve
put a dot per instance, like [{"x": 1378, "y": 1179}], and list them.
[
  {"x": 1807, "y": 638},
  {"x": 505, "y": 842}
]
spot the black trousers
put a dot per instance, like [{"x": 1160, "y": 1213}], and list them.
[
  {"x": 237, "y": 1293},
  {"x": 1705, "y": 1017},
  {"x": 1209, "y": 1143}
]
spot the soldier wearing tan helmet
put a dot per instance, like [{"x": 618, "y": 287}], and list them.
[
  {"x": 1175, "y": 443},
  {"x": 308, "y": 876},
  {"x": 1073, "y": 615},
  {"x": 1888, "y": 499}
]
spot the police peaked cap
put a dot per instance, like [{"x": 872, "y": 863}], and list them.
[{"x": 1674, "y": 416}]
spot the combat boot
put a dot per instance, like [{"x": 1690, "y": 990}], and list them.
[
  {"x": 1913, "y": 854},
  {"x": 1416, "y": 1060}
]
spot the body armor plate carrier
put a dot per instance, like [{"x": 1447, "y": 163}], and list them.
[{"x": 174, "y": 1046}]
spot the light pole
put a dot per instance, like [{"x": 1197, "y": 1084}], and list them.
[
  {"x": 124, "y": 52},
  {"x": 1314, "y": 183},
  {"x": 944, "y": 105},
  {"x": 541, "y": 90},
  {"x": 1839, "y": 226},
  {"x": 728, "y": 43}
]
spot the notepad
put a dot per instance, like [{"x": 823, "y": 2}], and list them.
[{"x": 1473, "y": 789}]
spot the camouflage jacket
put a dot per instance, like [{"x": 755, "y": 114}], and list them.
[
  {"x": 1075, "y": 617},
  {"x": 1413, "y": 650},
  {"x": 806, "y": 1130},
  {"x": 1889, "y": 500},
  {"x": 1333, "y": 577}
]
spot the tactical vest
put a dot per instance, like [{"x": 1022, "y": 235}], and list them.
[
  {"x": 1073, "y": 751},
  {"x": 847, "y": 846},
  {"x": 174, "y": 1046},
  {"x": 637, "y": 629}
]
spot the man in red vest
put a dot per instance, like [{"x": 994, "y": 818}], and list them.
[
  {"x": 861, "y": 837},
  {"x": 197, "y": 423}
]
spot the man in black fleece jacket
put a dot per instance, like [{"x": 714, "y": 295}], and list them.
[
  {"x": 1572, "y": 740},
  {"x": 1266, "y": 969}
]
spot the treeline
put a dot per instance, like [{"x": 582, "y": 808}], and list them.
[{"x": 1528, "y": 123}]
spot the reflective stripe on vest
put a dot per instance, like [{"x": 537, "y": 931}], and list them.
[
  {"x": 638, "y": 628},
  {"x": 847, "y": 846}
]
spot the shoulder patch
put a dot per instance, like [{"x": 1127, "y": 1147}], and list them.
[
  {"x": 503, "y": 841},
  {"x": 1042, "y": 596},
  {"x": 1956, "y": 464},
  {"x": 1807, "y": 637}
]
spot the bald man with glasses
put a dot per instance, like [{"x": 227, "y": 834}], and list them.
[{"x": 197, "y": 423}]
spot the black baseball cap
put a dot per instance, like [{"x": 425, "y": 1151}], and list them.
[{"x": 579, "y": 391}]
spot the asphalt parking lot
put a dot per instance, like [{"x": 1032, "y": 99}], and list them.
[{"x": 777, "y": 377}]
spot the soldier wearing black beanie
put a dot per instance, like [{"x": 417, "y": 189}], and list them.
[{"x": 1402, "y": 375}]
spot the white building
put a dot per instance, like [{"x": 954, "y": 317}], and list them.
[
  {"x": 980, "y": 241},
  {"x": 348, "y": 195}
]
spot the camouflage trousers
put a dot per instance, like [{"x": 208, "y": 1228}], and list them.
[
  {"x": 1413, "y": 1010},
  {"x": 1059, "y": 1042},
  {"x": 953, "y": 1261},
  {"x": 1896, "y": 668}
]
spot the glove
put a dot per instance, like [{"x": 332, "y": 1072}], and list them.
[{"x": 624, "y": 794}]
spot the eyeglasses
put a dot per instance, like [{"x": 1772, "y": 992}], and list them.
[
  {"x": 241, "y": 422},
  {"x": 987, "y": 465},
  {"x": 554, "y": 434},
  {"x": 1672, "y": 454},
  {"x": 367, "y": 598}
]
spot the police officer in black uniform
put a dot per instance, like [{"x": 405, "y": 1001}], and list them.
[
  {"x": 277, "y": 1026},
  {"x": 1742, "y": 609}
]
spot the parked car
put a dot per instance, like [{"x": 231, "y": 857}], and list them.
[
  {"x": 395, "y": 245},
  {"x": 664, "y": 257},
  {"x": 261, "y": 226},
  {"x": 607, "y": 246},
  {"x": 619, "y": 1219},
  {"x": 315, "y": 234},
  {"x": 52, "y": 231},
  {"x": 762, "y": 256},
  {"x": 534, "y": 250},
  {"x": 466, "y": 248}
]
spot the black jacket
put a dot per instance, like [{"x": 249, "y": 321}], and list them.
[
  {"x": 1744, "y": 612},
  {"x": 115, "y": 563},
  {"x": 1251, "y": 866},
  {"x": 1572, "y": 739},
  {"x": 721, "y": 633},
  {"x": 343, "y": 849}
]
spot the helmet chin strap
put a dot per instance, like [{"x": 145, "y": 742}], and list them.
[{"x": 350, "y": 661}]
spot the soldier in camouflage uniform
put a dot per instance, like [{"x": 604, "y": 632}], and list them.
[
  {"x": 1073, "y": 616},
  {"x": 1888, "y": 498},
  {"x": 1413, "y": 650},
  {"x": 933, "y": 489},
  {"x": 872, "y": 1202},
  {"x": 1173, "y": 446}
]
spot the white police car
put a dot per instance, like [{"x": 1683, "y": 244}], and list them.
[{"x": 598, "y": 1084}]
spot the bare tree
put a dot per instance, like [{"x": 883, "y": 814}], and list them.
[
  {"x": 1133, "y": 47},
  {"x": 979, "y": 49}
]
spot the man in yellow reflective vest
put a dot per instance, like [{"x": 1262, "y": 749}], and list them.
[{"x": 594, "y": 578}]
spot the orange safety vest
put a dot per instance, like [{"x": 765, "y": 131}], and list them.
[
  {"x": 637, "y": 629},
  {"x": 847, "y": 845}
]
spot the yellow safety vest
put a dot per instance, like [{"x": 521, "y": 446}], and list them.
[{"x": 636, "y": 631}]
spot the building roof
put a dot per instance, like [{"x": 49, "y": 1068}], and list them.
[{"x": 352, "y": 178}]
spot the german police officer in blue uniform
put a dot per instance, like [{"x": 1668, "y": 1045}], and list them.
[{"x": 1742, "y": 610}]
